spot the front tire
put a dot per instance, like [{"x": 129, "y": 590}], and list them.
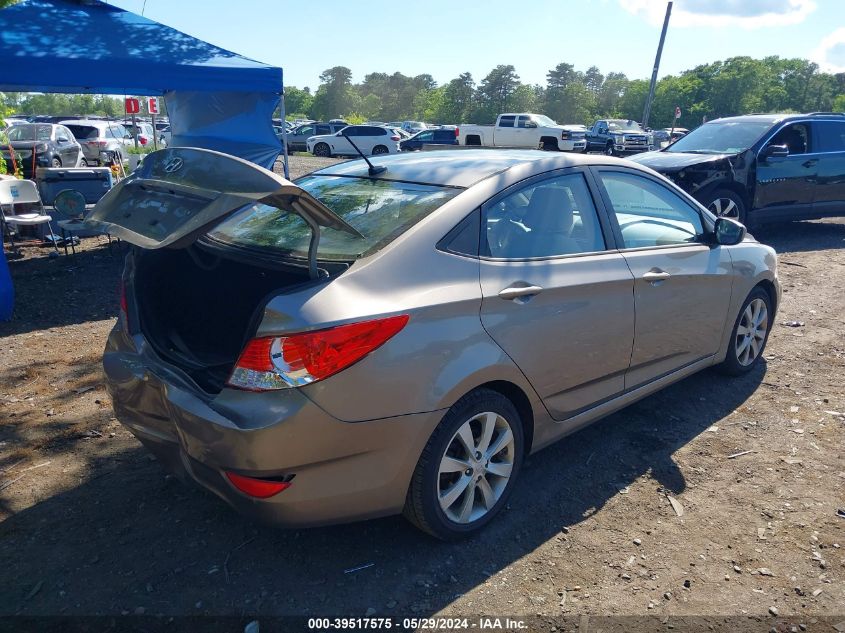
[
  {"x": 322, "y": 150},
  {"x": 725, "y": 203},
  {"x": 750, "y": 334},
  {"x": 466, "y": 471},
  {"x": 609, "y": 150},
  {"x": 55, "y": 162}
]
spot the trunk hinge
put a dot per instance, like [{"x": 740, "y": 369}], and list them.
[{"x": 313, "y": 272}]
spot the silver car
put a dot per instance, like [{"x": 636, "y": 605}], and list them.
[
  {"x": 369, "y": 341},
  {"x": 102, "y": 141}
]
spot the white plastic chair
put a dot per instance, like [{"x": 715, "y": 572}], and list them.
[{"x": 16, "y": 192}]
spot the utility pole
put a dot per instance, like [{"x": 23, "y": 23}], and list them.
[{"x": 650, "y": 98}]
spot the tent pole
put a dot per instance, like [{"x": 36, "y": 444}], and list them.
[{"x": 285, "y": 136}]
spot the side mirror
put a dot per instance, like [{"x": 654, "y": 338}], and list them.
[
  {"x": 729, "y": 232},
  {"x": 776, "y": 151}
]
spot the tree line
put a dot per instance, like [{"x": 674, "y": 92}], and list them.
[{"x": 738, "y": 85}]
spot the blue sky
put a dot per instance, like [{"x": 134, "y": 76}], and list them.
[{"x": 447, "y": 37}]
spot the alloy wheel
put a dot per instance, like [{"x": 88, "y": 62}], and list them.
[
  {"x": 751, "y": 332},
  {"x": 724, "y": 208},
  {"x": 476, "y": 467},
  {"x": 609, "y": 150}
]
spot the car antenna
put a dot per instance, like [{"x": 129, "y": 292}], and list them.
[{"x": 373, "y": 171}]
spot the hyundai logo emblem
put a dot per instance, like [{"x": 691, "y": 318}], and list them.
[{"x": 173, "y": 164}]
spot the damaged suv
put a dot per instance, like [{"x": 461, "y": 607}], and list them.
[{"x": 761, "y": 168}]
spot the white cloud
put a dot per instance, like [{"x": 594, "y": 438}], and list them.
[
  {"x": 830, "y": 53},
  {"x": 748, "y": 14}
]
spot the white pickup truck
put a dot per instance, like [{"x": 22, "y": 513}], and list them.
[{"x": 524, "y": 129}]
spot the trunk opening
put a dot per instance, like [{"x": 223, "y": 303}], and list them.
[{"x": 197, "y": 309}]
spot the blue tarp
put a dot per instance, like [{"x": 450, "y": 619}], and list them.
[{"x": 215, "y": 98}]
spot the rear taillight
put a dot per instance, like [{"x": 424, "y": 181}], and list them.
[
  {"x": 255, "y": 487},
  {"x": 280, "y": 362},
  {"x": 394, "y": 138},
  {"x": 102, "y": 143},
  {"x": 457, "y": 132},
  {"x": 142, "y": 140}
]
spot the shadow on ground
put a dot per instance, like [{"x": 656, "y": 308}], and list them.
[
  {"x": 128, "y": 536},
  {"x": 69, "y": 289},
  {"x": 798, "y": 237}
]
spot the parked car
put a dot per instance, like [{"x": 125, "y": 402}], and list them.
[
  {"x": 399, "y": 131},
  {"x": 524, "y": 129},
  {"x": 412, "y": 127},
  {"x": 349, "y": 346},
  {"x": 298, "y": 136},
  {"x": 618, "y": 137},
  {"x": 761, "y": 168},
  {"x": 101, "y": 141},
  {"x": 667, "y": 135},
  {"x": 370, "y": 139},
  {"x": 144, "y": 132},
  {"x": 429, "y": 137},
  {"x": 34, "y": 145}
]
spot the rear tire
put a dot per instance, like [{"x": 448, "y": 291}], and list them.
[
  {"x": 380, "y": 149},
  {"x": 322, "y": 150},
  {"x": 749, "y": 334},
  {"x": 728, "y": 204},
  {"x": 457, "y": 489}
]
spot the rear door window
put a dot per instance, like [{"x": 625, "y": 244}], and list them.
[
  {"x": 322, "y": 129},
  {"x": 506, "y": 121},
  {"x": 830, "y": 136},
  {"x": 548, "y": 218}
]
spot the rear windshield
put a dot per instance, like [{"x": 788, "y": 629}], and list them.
[
  {"x": 29, "y": 132},
  {"x": 380, "y": 210},
  {"x": 82, "y": 132},
  {"x": 722, "y": 137}
]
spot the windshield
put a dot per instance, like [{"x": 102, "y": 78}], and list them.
[
  {"x": 379, "y": 209},
  {"x": 29, "y": 133},
  {"x": 542, "y": 119},
  {"x": 81, "y": 132},
  {"x": 622, "y": 125},
  {"x": 721, "y": 137}
]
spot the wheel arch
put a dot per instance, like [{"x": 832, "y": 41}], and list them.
[
  {"x": 704, "y": 194},
  {"x": 549, "y": 139},
  {"x": 520, "y": 400}
]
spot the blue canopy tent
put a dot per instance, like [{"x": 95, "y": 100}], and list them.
[{"x": 215, "y": 98}]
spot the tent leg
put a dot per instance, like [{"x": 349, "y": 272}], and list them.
[{"x": 284, "y": 136}]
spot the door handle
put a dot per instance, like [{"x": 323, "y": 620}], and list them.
[
  {"x": 515, "y": 292},
  {"x": 654, "y": 277},
  {"x": 810, "y": 162}
]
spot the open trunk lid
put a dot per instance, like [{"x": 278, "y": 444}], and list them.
[{"x": 178, "y": 194}]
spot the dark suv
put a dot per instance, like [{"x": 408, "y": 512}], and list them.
[
  {"x": 445, "y": 136},
  {"x": 761, "y": 167}
]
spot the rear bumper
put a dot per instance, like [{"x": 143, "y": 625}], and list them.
[{"x": 341, "y": 471}]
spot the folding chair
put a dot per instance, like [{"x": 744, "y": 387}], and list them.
[{"x": 18, "y": 192}]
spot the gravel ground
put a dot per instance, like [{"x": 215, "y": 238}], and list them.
[{"x": 90, "y": 524}]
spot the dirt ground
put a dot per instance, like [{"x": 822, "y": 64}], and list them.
[{"x": 91, "y": 524}]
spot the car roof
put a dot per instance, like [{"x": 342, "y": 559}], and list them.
[
  {"x": 98, "y": 123},
  {"x": 461, "y": 168}
]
